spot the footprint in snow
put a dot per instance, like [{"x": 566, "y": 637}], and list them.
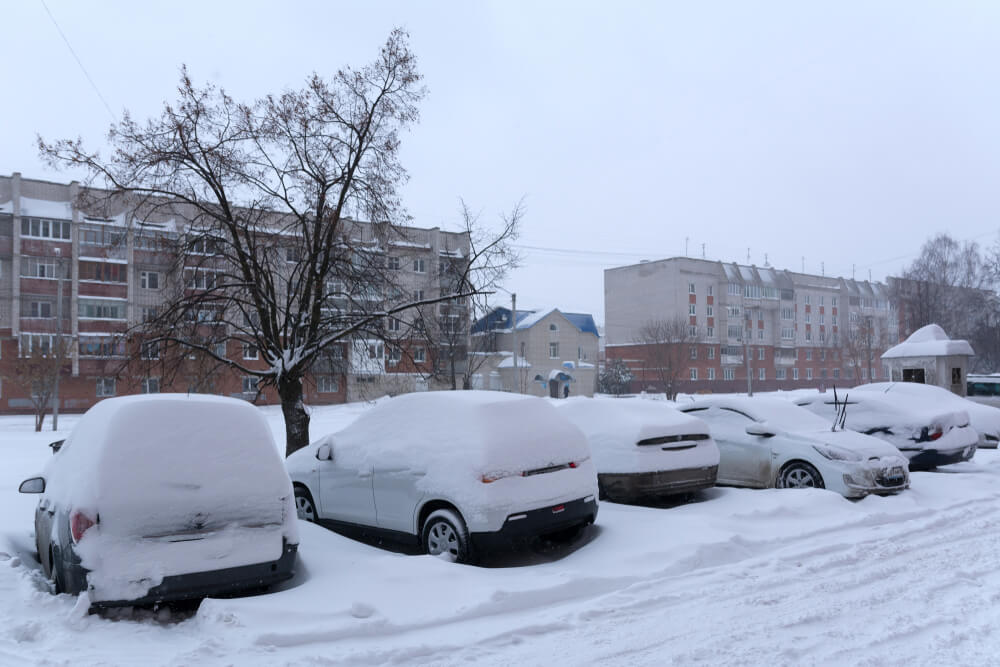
[
  {"x": 362, "y": 610},
  {"x": 4, "y": 555}
]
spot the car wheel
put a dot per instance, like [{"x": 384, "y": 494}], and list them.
[
  {"x": 304, "y": 505},
  {"x": 799, "y": 475},
  {"x": 445, "y": 535},
  {"x": 55, "y": 573}
]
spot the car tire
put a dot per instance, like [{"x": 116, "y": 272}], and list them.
[
  {"x": 445, "y": 535},
  {"x": 799, "y": 475},
  {"x": 55, "y": 573},
  {"x": 304, "y": 505}
]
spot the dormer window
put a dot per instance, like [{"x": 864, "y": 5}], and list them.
[{"x": 553, "y": 327}]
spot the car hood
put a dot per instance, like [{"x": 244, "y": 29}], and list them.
[{"x": 865, "y": 445}]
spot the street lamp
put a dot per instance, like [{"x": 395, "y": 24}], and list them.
[{"x": 58, "y": 352}]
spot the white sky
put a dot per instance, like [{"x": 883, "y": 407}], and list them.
[{"x": 845, "y": 132}]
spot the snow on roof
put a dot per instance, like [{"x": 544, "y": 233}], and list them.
[
  {"x": 43, "y": 208},
  {"x": 929, "y": 341},
  {"x": 746, "y": 273},
  {"x": 509, "y": 362},
  {"x": 7, "y": 206},
  {"x": 732, "y": 273}
]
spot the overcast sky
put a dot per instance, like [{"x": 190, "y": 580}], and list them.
[{"x": 846, "y": 133}]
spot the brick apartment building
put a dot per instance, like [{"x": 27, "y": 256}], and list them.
[
  {"x": 786, "y": 330},
  {"x": 111, "y": 269}
]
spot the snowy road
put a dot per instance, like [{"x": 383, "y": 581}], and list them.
[{"x": 741, "y": 577}]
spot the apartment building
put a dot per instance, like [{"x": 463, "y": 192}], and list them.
[
  {"x": 557, "y": 352},
  {"x": 783, "y": 329},
  {"x": 113, "y": 271}
]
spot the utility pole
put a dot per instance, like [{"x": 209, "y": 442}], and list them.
[
  {"x": 58, "y": 352},
  {"x": 513, "y": 341}
]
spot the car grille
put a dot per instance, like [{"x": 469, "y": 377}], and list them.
[{"x": 894, "y": 476}]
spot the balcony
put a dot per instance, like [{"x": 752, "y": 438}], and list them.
[
  {"x": 731, "y": 359},
  {"x": 781, "y": 362}
]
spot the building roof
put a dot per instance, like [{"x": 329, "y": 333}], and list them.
[
  {"x": 929, "y": 341},
  {"x": 498, "y": 319}
]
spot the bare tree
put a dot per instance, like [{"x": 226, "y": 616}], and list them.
[
  {"x": 269, "y": 254},
  {"x": 668, "y": 344},
  {"x": 36, "y": 373},
  {"x": 449, "y": 330},
  {"x": 863, "y": 345}
]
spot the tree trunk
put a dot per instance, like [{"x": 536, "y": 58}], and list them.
[
  {"x": 451, "y": 361},
  {"x": 295, "y": 413},
  {"x": 39, "y": 420}
]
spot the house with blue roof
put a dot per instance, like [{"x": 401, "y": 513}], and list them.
[{"x": 556, "y": 352}]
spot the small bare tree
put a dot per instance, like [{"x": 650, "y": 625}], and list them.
[
  {"x": 863, "y": 345},
  {"x": 36, "y": 373},
  {"x": 668, "y": 343},
  {"x": 265, "y": 194}
]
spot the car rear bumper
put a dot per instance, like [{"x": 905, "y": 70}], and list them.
[
  {"x": 224, "y": 582},
  {"x": 522, "y": 527},
  {"x": 931, "y": 458},
  {"x": 625, "y": 487}
]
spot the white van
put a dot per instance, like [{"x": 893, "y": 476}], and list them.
[
  {"x": 460, "y": 472},
  {"x": 164, "y": 497}
]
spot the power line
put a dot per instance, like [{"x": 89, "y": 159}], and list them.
[{"x": 78, "y": 61}]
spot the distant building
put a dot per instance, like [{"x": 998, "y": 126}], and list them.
[
  {"x": 114, "y": 270},
  {"x": 557, "y": 352},
  {"x": 928, "y": 356},
  {"x": 784, "y": 329}
]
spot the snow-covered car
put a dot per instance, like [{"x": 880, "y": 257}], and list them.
[
  {"x": 928, "y": 434},
  {"x": 644, "y": 449},
  {"x": 460, "y": 473},
  {"x": 770, "y": 442},
  {"x": 985, "y": 419},
  {"x": 163, "y": 497}
]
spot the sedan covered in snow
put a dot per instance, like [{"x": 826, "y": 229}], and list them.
[
  {"x": 928, "y": 434},
  {"x": 460, "y": 473},
  {"x": 163, "y": 497},
  {"x": 985, "y": 419},
  {"x": 644, "y": 449},
  {"x": 770, "y": 442}
]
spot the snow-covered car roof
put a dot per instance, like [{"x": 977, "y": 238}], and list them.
[
  {"x": 983, "y": 418},
  {"x": 868, "y": 410},
  {"x": 778, "y": 412},
  {"x": 467, "y": 432},
  {"x": 624, "y": 422}
]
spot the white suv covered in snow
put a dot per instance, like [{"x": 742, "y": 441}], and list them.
[
  {"x": 462, "y": 472},
  {"x": 164, "y": 497}
]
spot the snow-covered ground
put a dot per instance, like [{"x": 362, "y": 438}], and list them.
[{"x": 737, "y": 577}]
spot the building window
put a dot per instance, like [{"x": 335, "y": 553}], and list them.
[
  {"x": 833, "y": 301},
  {"x": 694, "y": 373},
  {"x": 250, "y": 384},
  {"x": 45, "y": 229},
  {"x": 393, "y": 264},
  {"x": 795, "y": 373},
  {"x": 149, "y": 313},
  {"x": 694, "y": 352},
  {"x": 392, "y": 324},
  {"x": 808, "y": 320},
  {"x": 809, "y": 355},
  {"x": 419, "y": 355},
  {"x": 864, "y": 373},
  {"x": 708, "y": 310},
  {"x": 105, "y": 387},
  {"x": 250, "y": 351},
  {"x": 761, "y": 353},
  {"x": 710, "y": 332},
  {"x": 376, "y": 350},
  {"x": 101, "y": 346},
  {"x": 808, "y": 335},
  {"x": 807, "y": 299},
  {"x": 102, "y": 309},
  {"x": 735, "y": 331},
  {"x": 418, "y": 295},
  {"x": 761, "y": 374},
  {"x": 103, "y": 272},
  {"x": 150, "y": 350},
  {"x": 781, "y": 374},
  {"x": 728, "y": 374},
  {"x": 293, "y": 255},
  {"x": 836, "y": 373},
  {"x": 394, "y": 356},
  {"x": 419, "y": 266},
  {"x": 822, "y": 374},
  {"x": 760, "y": 334},
  {"x": 553, "y": 327},
  {"x": 692, "y": 309},
  {"x": 328, "y": 384},
  {"x": 553, "y": 350},
  {"x": 711, "y": 373},
  {"x": 711, "y": 352},
  {"x": 40, "y": 309},
  {"x": 690, "y": 288},
  {"x": 692, "y": 330},
  {"x": 809, "y": 374},
  {"x": 151, "y": 385},
  {"x": 149, "y": 280}
]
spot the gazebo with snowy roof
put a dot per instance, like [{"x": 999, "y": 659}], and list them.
[{"x": 928, "y": 356}]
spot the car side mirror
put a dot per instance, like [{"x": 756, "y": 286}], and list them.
[
  {"x": 33, "y": 485},
  {"x": 761, "y": 430},
  {"x": 324, "y": 453},
  {"x": 57, "y": 445}
]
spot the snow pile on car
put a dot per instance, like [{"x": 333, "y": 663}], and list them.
[
  {"x": 456, "y": 440},
  {"x": 614, "y": 427},
  {"x": 177, "y": 483}
]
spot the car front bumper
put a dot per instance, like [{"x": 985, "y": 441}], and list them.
[
  {"x": 628, "y": 487},
  {"x": 882, "y": 480},
  {"x": 931, "y": 458},
  {"x": 522, "y": 527},
  {"x": 224, "y": 582}
]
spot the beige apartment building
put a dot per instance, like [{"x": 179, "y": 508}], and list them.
[
  {"x": 557, "y": 352},
  {"x": 782, "y": 329}
]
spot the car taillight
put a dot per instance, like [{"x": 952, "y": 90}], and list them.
[
  {"x": 574, "y": 464},
  {"x": 79, "y": 523},
  {"x": 935, "y": 433},
  {"x": 490, "y": 478}
]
